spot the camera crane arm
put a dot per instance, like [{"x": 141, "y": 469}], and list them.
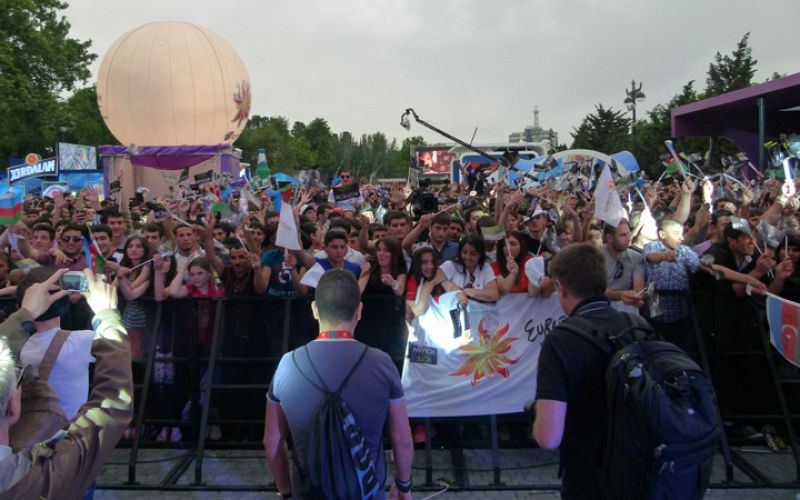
[{"x": 405, "y": 122}]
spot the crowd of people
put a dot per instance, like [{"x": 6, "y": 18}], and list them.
[{"x": 716, "y": 236}]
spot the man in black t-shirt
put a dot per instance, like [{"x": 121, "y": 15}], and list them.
[{"x": 571, "y": 389}]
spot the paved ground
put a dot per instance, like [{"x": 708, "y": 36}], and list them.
[{"x": 527, "y": 469}]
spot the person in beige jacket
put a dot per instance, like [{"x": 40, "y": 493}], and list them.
[{"x": 64, "y": 465}]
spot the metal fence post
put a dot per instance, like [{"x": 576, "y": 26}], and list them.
[
  {"x": 212, "y": 358},
  {"x": 148, "y": 371}
]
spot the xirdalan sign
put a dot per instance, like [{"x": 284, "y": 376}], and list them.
[{"x": 44, "y": 168}]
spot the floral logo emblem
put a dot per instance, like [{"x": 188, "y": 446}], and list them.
[
  {"x": 488, "y": 356},
  {"x": 242, "y": 99}
]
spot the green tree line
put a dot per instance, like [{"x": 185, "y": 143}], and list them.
[
  {"x": 40, "y": 64},
  {"x": 608, "y": 130}
]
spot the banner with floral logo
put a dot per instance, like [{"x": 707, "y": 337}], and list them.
[{"x": 481, "y": 360}]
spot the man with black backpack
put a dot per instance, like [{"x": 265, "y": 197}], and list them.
[
  {"x": 334, "y": 396},
  {"x": 635, "y": 417}
]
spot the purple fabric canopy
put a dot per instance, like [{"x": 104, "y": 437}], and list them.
[
  {"x": 167, "y": 157},
  {"x": 735, "y": 114}
]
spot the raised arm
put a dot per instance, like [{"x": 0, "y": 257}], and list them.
[
  {"x": 260, "y": 275},
  {"x": 682, "y": 211},
  {"x": 177, "y": 290},
  {"x": 305, "y": 259},
  {"x": 208, "y": 246},
  {"x": 413, "y": 235}
]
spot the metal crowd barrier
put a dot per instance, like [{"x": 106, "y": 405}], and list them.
[{"x": 263, "y": 329}]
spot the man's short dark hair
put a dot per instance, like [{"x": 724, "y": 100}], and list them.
[
  {"x": 731, "y": 232},
  {"x": 62, "y": 222},
  {"x": 666, "y": 223},
  {"x": 340, "y": 224},
  {"x": 609, "y": 230},
  {"x": 45, "y": 227},
  {"x": 224, "y": 227},
  {"x": 720, "y": 213},
  {"x": 153, "y": 227},
  {"x": 581, "y": 269},
  {"x": 394, "y": 214},
  {"x": 76, "y": 227},
  {"x": 102, "y": 228},
  {"x": 375, "y": 227},
  {"x": 337, "y": 296},
  {"x": 321, "y": 207},
  {"x": 335, "y": 235},
  {"x": 112, "y": 212},
  {"x": 441, "y": 219},
  {"x": 183, "y": 226}
]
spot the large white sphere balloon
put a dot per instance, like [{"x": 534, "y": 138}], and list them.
[{"x": 173, "y": 83}]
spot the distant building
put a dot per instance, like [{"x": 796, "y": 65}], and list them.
[{"x": 535, "y": 133}]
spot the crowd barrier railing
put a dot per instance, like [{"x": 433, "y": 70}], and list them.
[{"x": 199, "y": 338}]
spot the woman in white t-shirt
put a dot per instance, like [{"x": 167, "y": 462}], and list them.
[{"x": 470, "y": 273}]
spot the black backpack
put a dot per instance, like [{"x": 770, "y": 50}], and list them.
[
  {"x": 338, "y": 461},
  {"x": 663, "y": 425}
]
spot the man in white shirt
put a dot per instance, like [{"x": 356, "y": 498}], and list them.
[
  {"x": 188, "y": 245},
  {"x": 70, "y": 374}
]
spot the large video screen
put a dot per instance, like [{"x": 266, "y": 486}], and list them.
[
  {"x": 434, "y": 161},
  {"x": 76, "y": 157}
]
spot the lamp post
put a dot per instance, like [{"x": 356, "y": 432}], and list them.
[{"x": 633, "y": 95}]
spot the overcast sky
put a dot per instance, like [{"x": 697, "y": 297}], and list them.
[{"x": 462, "y": 63}]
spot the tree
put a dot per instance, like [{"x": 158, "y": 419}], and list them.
[
  {"x": 775, "y": 76},
  {"x": 605, "y": 131},
  {"x": 271, "y": 133},
  {"x": 404, "y": 154},
  {"x": 731, "y": 72},
  {"x": 82, "y": 121},
  {"x": 657, "y": 128},
  {"x": 320, "y": 139},
  {"x": 38, "y": 62}
]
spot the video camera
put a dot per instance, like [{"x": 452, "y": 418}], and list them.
[{"x": 422, "y": 201}]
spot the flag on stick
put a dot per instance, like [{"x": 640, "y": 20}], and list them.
[
  {"x": 784, "y": 320},
  {"x": 10, "y": 204},
  {"x": 607, "y": 206},
  {"x": 94, "y": 259}
]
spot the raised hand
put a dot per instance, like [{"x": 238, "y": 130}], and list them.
[{"x": 38, "y": 298}]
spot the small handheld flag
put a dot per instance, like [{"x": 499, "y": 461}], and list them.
[{"x": 10, "y": 204}]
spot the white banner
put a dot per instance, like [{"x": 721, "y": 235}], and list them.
[
  {"x": 483, "y": 362},
  {"x": 287, "y": 229},
  {"x": 607, "y": 206}
]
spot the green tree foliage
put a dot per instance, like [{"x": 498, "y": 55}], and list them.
[
  {"x": 648, "y": 145},
  {"x": 38, "y": 62},
  {"x": 731, "y": 72},
  {"x": 314, "y": 145},
  {"x": 725, "y": 73},
  {"x": 605, "y": 130},
  {"x": 404, "y": 155},
  {"x": 81, "y": 120}
]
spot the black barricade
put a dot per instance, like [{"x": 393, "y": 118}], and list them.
[{"x": 203, "y": 366}]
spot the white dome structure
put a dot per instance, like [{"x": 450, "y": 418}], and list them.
[{"x": 173, "y": 83}]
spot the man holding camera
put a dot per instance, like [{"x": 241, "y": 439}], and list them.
[{"x": 66, "y": 464}]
